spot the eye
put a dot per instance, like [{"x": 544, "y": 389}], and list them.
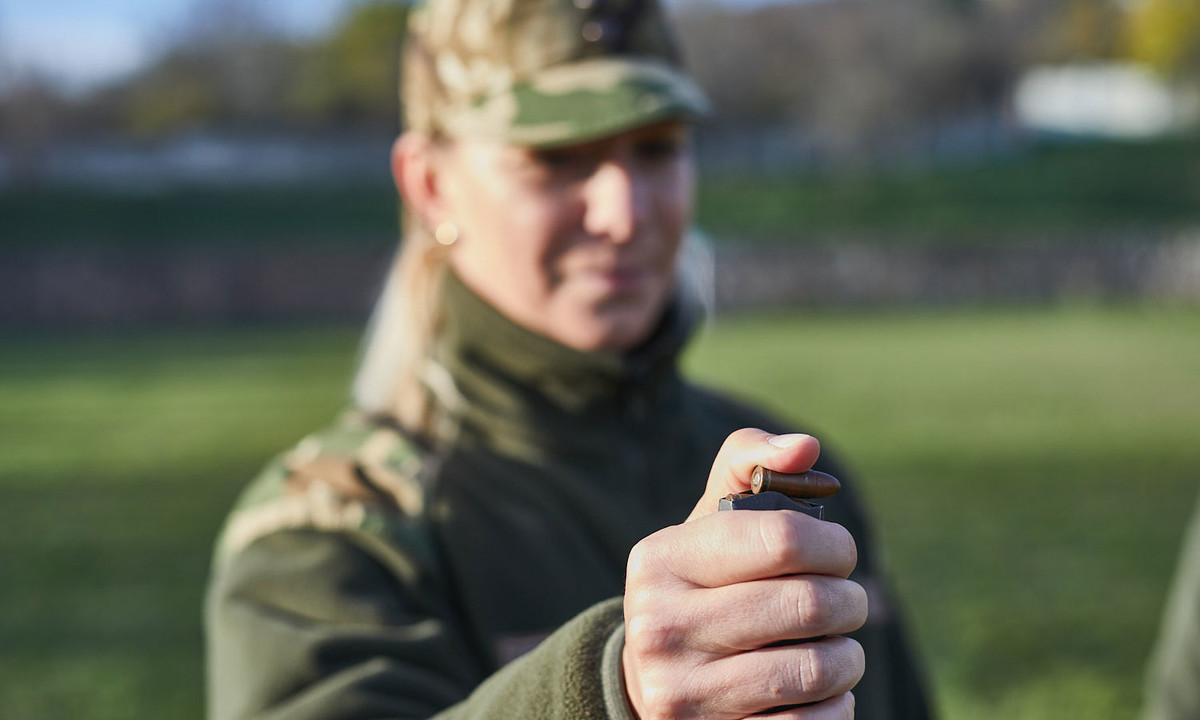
[
  {"x": 661, "y": 149},
  {"x": 567, "y": 163}
]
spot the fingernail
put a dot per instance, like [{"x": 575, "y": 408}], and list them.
[{"x": 786, "y": 441}]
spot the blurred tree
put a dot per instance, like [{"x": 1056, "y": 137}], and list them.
[
  {"x": 1165, "y": 34},
  {"x": 961, "y": 6},
  {"x": 353, "y": 76},
  {"x": 1088, "y": 30},
  {"x": 856, "y": 78},
  {"x": 845, "y": 81},
  {"x": 30, "y": 115},
  {"x": 228, "y": 64},
  {"x": 177, "y": 91}
]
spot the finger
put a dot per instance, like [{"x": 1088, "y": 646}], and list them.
[
  {"x": 748, "y": 616},
  {"x": 735, "y": 547},
  {"x": 772, "y": 678},
  {"x": 834, "y": 708},
  {"x": 745, "y": 448}
]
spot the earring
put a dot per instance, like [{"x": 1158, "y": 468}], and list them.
[{"x": 446, "y": 233}]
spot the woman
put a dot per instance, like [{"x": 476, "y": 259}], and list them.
[{"x": 520, "y": 427}]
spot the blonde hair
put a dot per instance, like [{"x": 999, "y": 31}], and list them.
[
  {"x": 400, "y": 334},
  {"x": 401, "y": 331}
]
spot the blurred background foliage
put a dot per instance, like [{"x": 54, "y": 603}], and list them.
[
  {"x": 831, "y": 114},
  {"x": 857, "y": 80},
  {"x": 1165, "y": 34}
]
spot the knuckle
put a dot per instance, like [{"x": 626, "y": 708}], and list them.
[
  {"x": 779, "y": 537},
  {"x": 645, "y": 560},
  {"x": 651, "y": 634},
  {"x": 861, "y": 605},
  {"x": 830, "y": 667},
  {"x": 848, "y": 706},
  {"x": 810, "y": 604},
  {"x": 850, "y": 549},
  {"x": 743, "y": 436},
  {"x": 842, "y": 707},
  {"x": 638, "y": 604},
  {"x": 636, "y": 565},
  {"x": 662, "y": 701},
  {"x": 858, "y": 661},
  {"x": 815, "y": 673}
]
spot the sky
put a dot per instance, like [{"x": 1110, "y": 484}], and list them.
[{"x": 80, "y": 43}]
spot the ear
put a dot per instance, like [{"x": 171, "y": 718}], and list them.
[{"x": 417, "y": 170}]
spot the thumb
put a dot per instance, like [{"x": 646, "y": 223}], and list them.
[{"x": 746, "y": 448}]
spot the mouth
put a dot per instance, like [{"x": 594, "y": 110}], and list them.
[{"x": 618, "y": 279}]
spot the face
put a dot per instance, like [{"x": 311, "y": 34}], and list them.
[{"x": 577, "y": 243}]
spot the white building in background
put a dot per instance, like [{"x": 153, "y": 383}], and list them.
[{"x": 1114, "y": 100}]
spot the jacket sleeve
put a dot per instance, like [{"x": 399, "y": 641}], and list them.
[
  {"x": 307, "y": 624},
  {"x": 1173, "y": 673}
]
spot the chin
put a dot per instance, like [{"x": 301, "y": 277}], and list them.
[
  {"x": 620, "y": 321},
  {"x": 619, "y": 333}
]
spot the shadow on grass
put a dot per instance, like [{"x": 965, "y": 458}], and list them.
[{"x": 104, "y": 585}]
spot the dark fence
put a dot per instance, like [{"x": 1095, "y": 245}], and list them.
[
  {"x": 115, "y": 287},
  {"x": 123, "y": 287},
  {"x": 1167, "y": 270}
]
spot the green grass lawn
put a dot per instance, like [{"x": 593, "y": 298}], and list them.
[{"x": 1031, "y": 472}]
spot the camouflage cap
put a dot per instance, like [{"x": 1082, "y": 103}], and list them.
[{"x": 543, "y": 72}]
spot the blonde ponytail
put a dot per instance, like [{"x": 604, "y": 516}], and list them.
[{"x": 400, "y": 334}]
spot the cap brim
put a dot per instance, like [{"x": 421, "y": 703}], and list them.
[{"x": 584, "y": 101}]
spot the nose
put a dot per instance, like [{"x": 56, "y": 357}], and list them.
[{"x": 616, "y": 199}]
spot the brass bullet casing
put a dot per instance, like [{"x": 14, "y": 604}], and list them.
[
  {"x": 809, "y": 485},
  {"x": 770, "y": 490}
]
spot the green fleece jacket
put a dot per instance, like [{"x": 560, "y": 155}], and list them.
[{"x": 368, "y": 573}]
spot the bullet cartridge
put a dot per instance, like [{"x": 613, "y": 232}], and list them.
[{"x": 809, "y": 485}]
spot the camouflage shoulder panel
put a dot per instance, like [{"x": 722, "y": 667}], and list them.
[{"x": 356, "y": 476}]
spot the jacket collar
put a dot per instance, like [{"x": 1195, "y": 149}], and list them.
[{"x": 505, "y": 375}]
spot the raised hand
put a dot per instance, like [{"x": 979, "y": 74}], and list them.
[{"x": 711, "y": 605}]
